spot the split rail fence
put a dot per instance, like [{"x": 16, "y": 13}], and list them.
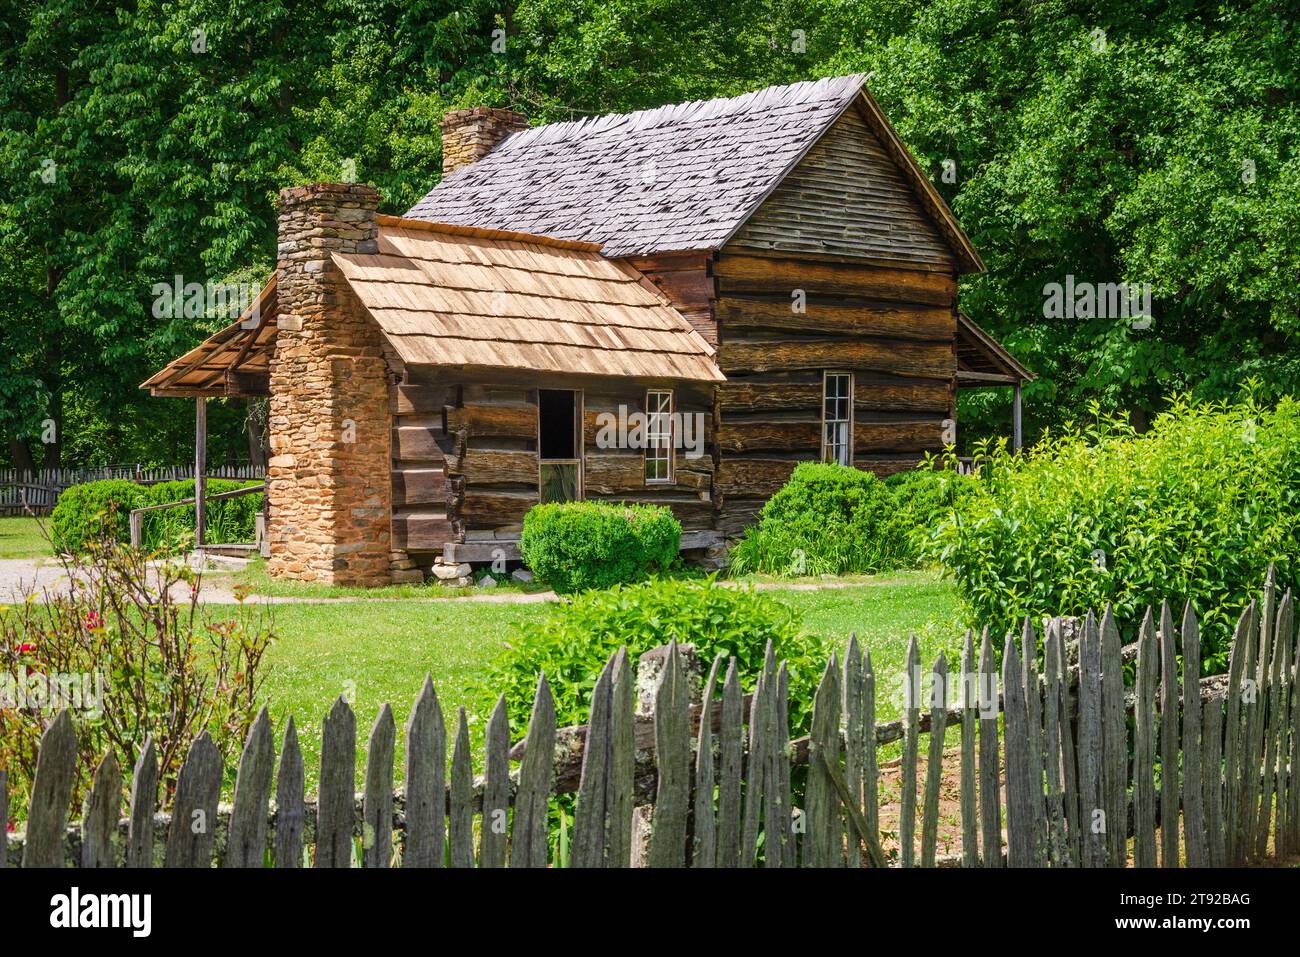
[
  {"x": 23, "y": 492},
  {"x": 1061, "y": 763}
]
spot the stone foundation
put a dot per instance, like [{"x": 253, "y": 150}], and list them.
[{"x": 329, "y": 485}]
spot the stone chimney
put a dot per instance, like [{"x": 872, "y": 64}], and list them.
[
  {"x": 329, "y": 486},
  {"x": 469, "y": 135}
]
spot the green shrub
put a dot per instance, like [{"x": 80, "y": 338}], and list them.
[
  {"x": 95, "y": 511},
  {"x": 825, "y": 520},
  {"x": 572, "y": 643},
  {"x": 922, "y": 498},
  {"x": 1196, "y": 508},
  {"x": 574, "y": 546}
]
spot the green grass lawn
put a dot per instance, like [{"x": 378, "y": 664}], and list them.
[
  {"x": 21, "y": 537},
  {"x": 378, "y": 652}
]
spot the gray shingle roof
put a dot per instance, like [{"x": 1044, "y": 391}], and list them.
[{"x": 675, "y": 178}]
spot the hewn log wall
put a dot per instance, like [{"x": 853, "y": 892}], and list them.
[
  {"x": 466, "y": 459},
  {"x": 782, "y": 322}
]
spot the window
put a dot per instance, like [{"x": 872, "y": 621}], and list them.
[
  {"x": 837, "y": 418},
  {"x": 659, "y": 437}
]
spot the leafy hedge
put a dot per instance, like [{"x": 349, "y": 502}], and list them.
[
  {"x": 1196, "y": 509},
  {"x": 834, "y": 519},
  {"x": 97, "y": 510},
  {"x": 575, "y": 546},
  {"x": 574, "y": 640}
]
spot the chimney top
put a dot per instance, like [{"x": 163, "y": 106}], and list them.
[{"x": 469, "y": 135}]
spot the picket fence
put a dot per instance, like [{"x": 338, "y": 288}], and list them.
[
  {"x": 27, "y": 492},
  {"x": 1060, "y": 781}
]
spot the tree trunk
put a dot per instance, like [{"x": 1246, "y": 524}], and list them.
[
  {"x": 21, "y": 453},
  {"x": 255, "y": 427}
]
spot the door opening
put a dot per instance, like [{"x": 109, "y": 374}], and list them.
[{"x": 559, "y": 443}]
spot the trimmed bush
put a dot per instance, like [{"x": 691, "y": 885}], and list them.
[
  {"x": 822, "y": 521},
  {"x": 574, "y": 640},
  {"x": 575, "y": 546},
  {"x": 922, "y": 499},
  {"x": 1195, "y": 509},
  {"x": 95, "y": 511}
]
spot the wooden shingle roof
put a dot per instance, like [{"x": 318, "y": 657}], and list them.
[
  {"x": 480, "y": 298},
  {"x": 676, "y": 178}
]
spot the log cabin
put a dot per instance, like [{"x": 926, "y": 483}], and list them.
[{"x": 751, "y": 282}]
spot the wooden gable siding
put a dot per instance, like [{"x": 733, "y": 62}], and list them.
[
  {"x": 685, "y": 278},
  {"x": 847, "y": 198},
  {"x": 466, "y": 459},
  {"x": 894, "y": 329}
]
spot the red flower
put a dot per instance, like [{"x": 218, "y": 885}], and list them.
[
  {"x": 93, "y": 621},
  {"x": 25, "y": 648}
]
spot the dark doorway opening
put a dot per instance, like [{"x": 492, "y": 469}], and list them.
[{"x": 559, "y": 442}]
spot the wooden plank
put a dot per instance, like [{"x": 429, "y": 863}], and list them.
[
  {"x": 855, "y": 742},
  {"x": 418, "y": 443},
  {"x": 194, "y": 810},
  {"x": 289, "y": 810},
  {"x": 1034, "y": 753},
  {"x": 506, "y": 420},
  {"x": 934, "y": 761},
  {"x": 496, "y": 788},
  {"x": 780, "y": 751},
  {"x": 822, "y": 841},
  {"x": 872, "y": 393},
  {"x": 1115, "y": 744},
  {"x": 486, "y": 508},
  {"x": 969, "y": 717},
  {"x": 1279, "y": 660},
  {"x": 1283, "y": 631},
  {"x": 990, "y": 773},
  {"x": 837, "y": 317},
  {"x": 335, "y": 809},
  {"x": 897, "y": 356},
  {"x": 704, "y": 838},
  {"x": 421, "y": 486},
  {"x": 485, "y": 551},
  {"x": 620, "y": 780},
  {"x": 1212, "y": 781},
  {"x": 672, "y": 759},
  {"x": 776, "y": 810},
  {"x": 1093, "y": 823},
  {"x": 377, "y": 800},
  {"x": 744, "y": 274},
  {"x": 589, "y": 821},
  {"x": 410, "y": 398},
  {"x": 1198, "y": 851},
  {"x": 1057, "y": 840},
  {"x": 528, "y": 845},
  {"x": 246, "y": 840},
  {"x": 1144, "y": 746},
  {"x": 422, "y": 531},
  {"x": 911, "y": 720},
  {"x": 1170, "y": 797},
  {"x": 47, "y": 808},
  {"x": 730, "y": 754},
  {"x": 1293, "y": 790},
  {"x": 870, "y": 766},
  {"x": 1234, "y": 735},
  {"x": 1020, "y": 839},
  {"x": 426, "y": 773},
  {"x": 1069, "y": 762},
  {"x": 1255, "y": 712},
  {"x": 755, "y": 777},
  {"x": 918, "y": 436},
  {"x": 99, "y": 821},
  {"x": 460, "y": 825},
  {"x": 144, "y": 797},
  {"x": 494, "y": 467}
]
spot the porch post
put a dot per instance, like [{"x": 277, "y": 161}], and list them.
[
  {"x": 1017, "y": 436},
  {"x": 200, "y": 468}
]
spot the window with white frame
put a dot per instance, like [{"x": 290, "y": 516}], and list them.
[
  {"x": 659, "y": 436},
  {"x": 837, "y": 418}
]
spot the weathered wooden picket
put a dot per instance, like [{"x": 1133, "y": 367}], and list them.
[{"x": 1204, "y": 777}]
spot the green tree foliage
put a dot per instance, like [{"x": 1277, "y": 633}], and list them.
[{"x": 1148, "y": 141}]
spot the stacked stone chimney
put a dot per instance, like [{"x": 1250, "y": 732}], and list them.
[
  {"x": 469, "y": 135},
  {"x": 329, "y": 487}
]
